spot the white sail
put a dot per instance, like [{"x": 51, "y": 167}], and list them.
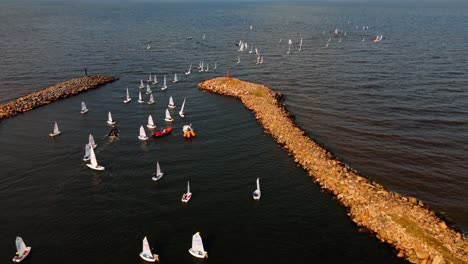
[
  {"x": 146, "y": 248},
  {"x": 91, "y": 140},
  {"x": 93, "y": 158},
  {"x": 197, "y": 243},
  {"x": 238, "y": 59},
  {"x": 256, "y": 51},
  {"x": 142, "y": 132},
  {"x": 216, "y": 66},
  {"x": 207, "y": 67},
  {"x": 87, "y": 152},
  {"x": 83, "y": 107},
  {"x": 188, "y": 71},
  {"x": 175, "y": 78},
  {"x": 109, "y": 118},
  {"x": 139, "y": 97},
  {"x": 171, "y": 101},
  {"x": 289, "y": 42},
  {"x": 168, "y": 115},
  {"x": 20, "y": 246},
  {"x": 258, "y": 184},
  {"x": 181, "y": 112},
  {"x": 151, "y": 100},
  {"x": 141, "y": 84},
  {"x": 56, "y": 129},
  {"x": 164, "y": 87},
  {"x": 155, "y": 81},
  {"x": 148, "y": 47},
  {"x": 150, "y": 78},
  {"x": 128, "y": 95},
  {"x": 158, "y": 169},
  {"x": 150, "y": 121},
  {"x": 188, "y": 187},
  {"x": 148, "y": 89}
]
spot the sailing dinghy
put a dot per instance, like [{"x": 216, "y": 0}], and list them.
[
  {"x": 257, "y": 193},
  {"x": 164, "y": 87},
  {"x": 168, "y": 116},
  {"x": 91, "y": 142},
  {"x": 141, "y": 85},
  {"x": 175, "y": 78},
  {"x": 142, "y": 135},
  {"x": 189, "y": 69},
  {"x": 149, "y": 78},
  {"x": 140, "y": 99},
  {"x": 87, "y": 155},
  {"x": 171, "y": 103},
  {"x": 181, "y": 112},
  {"x": 158, "y": 174},
  {"x": 55, "y": 132},
  {"x": 110, "y": 121},
  {"x": 197, "y": 249},
  {"x": 151, "y": 99},
  {"x": 146, "y": 253},
  {"x": 150, "y": 124},
  {"x": 155, "y": 80},
  {"x": 84, "y": 109},
  {"x": 22, "y": 251},
  {"x": 94, "y": 164},
  {"x": 188, "y": 195},
  {"x": 127, "y": 97},
  {"x": 148, "y": 89}
]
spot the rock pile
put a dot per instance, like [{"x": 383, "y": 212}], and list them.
[
  {"x": 53, "y": 93},
  {"x": 404, "y": 222}
]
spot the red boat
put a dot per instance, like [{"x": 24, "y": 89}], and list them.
[{"x": 161, "y": 133}]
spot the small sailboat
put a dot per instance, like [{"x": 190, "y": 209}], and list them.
[
  {"x": 197, "y": 249},
  {"x": 204, "y": 36},
  {"x": 261, "y": 60},
  {"x": 142, "y": 135},
  {"x": 188, "y": 195},
  {"x": 251, "y": 50},
  {"x": 189, "y": 69},
  {"x": 22, "y": 251},
  {"x": 141, "y": 85},
  {"x": 258, "y": 60},
  {"x": 94, "y": 164},
  {"x": 150, "y": 124},
  {"x": 155, "y": 80},
  {"x": 207, "y": 69},
  {"x": 91, "y": 142},
  {"x": 171, "y": 103},
  {"x": 110, "y": 121},
  {"x": 257, "y": 193},
  {"x": 151, "y": 99},
  {"x": 181, "y": 112},
  {"x": 168, "y": 116},
  {"x": 146, "y": 253},
  {"x": 150, "y": 78},
  {"x": 216, "y": 66},
  {"x": 87, "y": 155},
  {"x": 140, "y": 99},
  {"x": 175, "y": 78},
  {"x": 164, "y": 87},
  {"x": 148, "y": 89},
  {"x": 84, "y": 109},
  {"x": 201, "y": 66},
  {"x": 289, "y": 49},
  {"x": 55, "y": 132},
  {"x": 127, "y": 97},
  {"x": 251, "y": 27},
  {"x": 238, "y": 59},
  {"x": 289, "y": 42},
  {"x": 339, "y": 40},
  {"x": 157, "y": 175},
  {"x": 148, "y": 46}
]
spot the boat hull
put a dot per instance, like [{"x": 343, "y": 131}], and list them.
[
  {"x": 182, "y": 114},
  {"x": 151, "y": 102},
  {"x": 54, "y": 134},
  {"x": 142, "y": 138},
  {"x": 171, "y": 106},
  {"x": 198, "y": 254},
  {"x": 98, "y": 168},
  {"x": 151, "y": 126},
  {"x": 84, "y": 111},
  {"x": 186, "y": 197},
  {"x": 157, "y": 177},
  {"x": 168, "y": 119},
  {"x": 148, "y": 258},
  {"x": 163, "y": 88},
  {"x": 166, "y": 132},
  {"x": 127, "y": 101},
  {"x": 141, "y": 101},
  {"x": 86, "y": 158},
  {"x": 17, "y": 259},
  {"x": 256, "y": 195},
  {"x": 110, "y": 122}
]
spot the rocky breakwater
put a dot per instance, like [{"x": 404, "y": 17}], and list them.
[
  {"x": 407, "y": 224},
  {"x": 52, "y": 93}
]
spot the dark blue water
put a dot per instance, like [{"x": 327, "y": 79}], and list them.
[{"x": 394, "y": 110}]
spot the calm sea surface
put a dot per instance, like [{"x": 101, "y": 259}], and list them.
[{"x": 396, "y": 111}]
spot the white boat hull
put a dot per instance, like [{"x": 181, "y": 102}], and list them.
[
  {"x": 186, "y": 197},
  {"x": 168, "y": 119},
  {"x": 128, "y": 100},
  {"x": 151, "y": 126},
  {"x": 181, "y": 114},
  {"x": 148, "y": 258},
  {"x": 148, "y": 92},
  {"x": 54, "y": 134},
  {"x": 198, "y": 254},
  {"x": 141, "y": 101},
  {"x": 18, "y": 260},
  {"x": 110, "y": 122},
  {"x": 157, "y": 177},
  {"x": 98, "y": 168},
  {"x": 84, "y": 111},
  {"x": 163, "y": 88},
  {"x": 256, "y": 195},
  {"x": 142, "y": 138},
  {"x": 151, "y": 102},
  {"x": 171, "y": 106}
]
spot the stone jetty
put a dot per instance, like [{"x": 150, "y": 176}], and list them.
[
  {"x": 53, "y": 93},
  {"x": 415, "y": 231}
]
